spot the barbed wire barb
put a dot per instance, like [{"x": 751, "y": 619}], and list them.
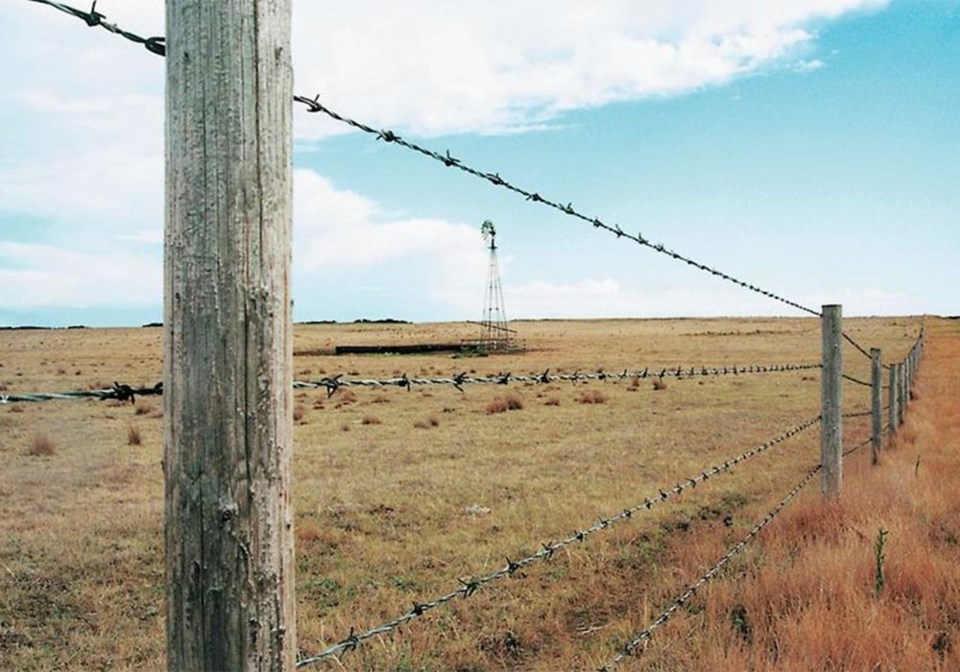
[{"x": 94, "y": 19}]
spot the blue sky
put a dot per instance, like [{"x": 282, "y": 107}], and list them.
[{"x": 806, "y": 146}]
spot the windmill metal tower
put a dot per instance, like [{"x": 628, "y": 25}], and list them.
[{"x": 494, "y": 332}]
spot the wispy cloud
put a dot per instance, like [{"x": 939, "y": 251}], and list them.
[{"x": 805, "y": 66}]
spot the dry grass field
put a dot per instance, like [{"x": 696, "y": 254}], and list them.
[{"x": 400, "y": 494}]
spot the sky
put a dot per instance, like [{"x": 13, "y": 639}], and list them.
[{"x": 809, "y": 147}]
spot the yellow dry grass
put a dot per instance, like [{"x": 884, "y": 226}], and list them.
[{"x": 398, "y": 494}]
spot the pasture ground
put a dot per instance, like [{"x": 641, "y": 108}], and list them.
[{"x": 398, "y": 494}]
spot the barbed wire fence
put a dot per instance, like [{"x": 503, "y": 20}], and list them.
[
  {"x": 547, "y": 550},
  {"x": 124, "y": 392},
  {"x": 901, "y": 379}
]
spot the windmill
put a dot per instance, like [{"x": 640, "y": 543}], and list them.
[{"x": 494, "y": 332}]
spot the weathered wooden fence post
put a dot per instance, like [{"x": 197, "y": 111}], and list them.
[
  {"x": 228, "y": 432},
  {"x": 831, "y": 430},
  {"x": 893, "y": 397},
  {"x": 901, "y": 393},
  {"x": 907, "y": 381},
  {"x": 876, "y": 405}
]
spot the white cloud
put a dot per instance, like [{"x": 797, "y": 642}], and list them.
[
  {"x": 338, "y": 229},
  {"x": 44, "y": 275},
  {"x": 440, "y": 67},
  {"x": 82, "y": 135}
]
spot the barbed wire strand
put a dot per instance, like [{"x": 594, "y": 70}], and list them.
[
  {"x": 119, "y": 391},
  {"x": 641, "y": 640},
  {"x": 333, "y": 383},
  {"x": 865, "y": 442},
  {"x": 856, "y": 380},
  {"x": 313, "y": 105},
  {"x": 93, "y": 18},
  {"x": 856, "y": 414},
  {"x": 547, "y": 551}
]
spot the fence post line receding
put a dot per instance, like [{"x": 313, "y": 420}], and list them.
[
  {"x": 876, "y": 405},
  {"x": 831, "y": 379},
  {"x": 228, "y": 374}
]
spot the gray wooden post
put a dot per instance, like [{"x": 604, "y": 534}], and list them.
[
  {"x": 907, "y": 382},
  {"x": 876, "y": 405},
  {"x": 228, "y": 431},
  {"x": 892, "y": 400},
  {"x": 901, "y": 386},
  {"x": 831, "y": 429}
]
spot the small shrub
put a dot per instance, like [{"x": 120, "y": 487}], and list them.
[
  {"x": 659, "y": 384},
  {"x": 433, "y": 421},
  {"x": 299, "y": 412},
  {"x": 371, "y": 420},
  {"x": 144, "y": 408},
  {"x": 421, "y": 424},
  {"x": 381, "y": 399},
  {"x": 41, "y": 446},
  {"x": 134, "y": 438},
  {"x": 498, "y": 404},
  {"x": 514, "y": 402},
  {"x": 16, "y": 408},
  {"x": 552, "y": 401},
  {"x": 592, "y": 397},
  {"x": 344, "y": 427}
]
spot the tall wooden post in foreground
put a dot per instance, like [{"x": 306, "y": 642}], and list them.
[
  {"x": 227, "y": 337},
  {"x": 831, "y": 377}
]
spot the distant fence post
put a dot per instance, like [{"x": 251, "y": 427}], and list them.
[
  {"x": 876, "y": 404},
  {"x": 228, "y": 382},
  {"x": 907, "y": 381},
  {"x": 901, "y": 392},
  {"x": 893, "y": 401},
  {"x": 831, "y": 378}
]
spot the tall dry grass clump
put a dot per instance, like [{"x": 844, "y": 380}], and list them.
[
  {"x": 41, "y": 446},
  {"x": 870, "y": 582},
  {"x": 502, "y": 404},
  {"x": 593, "y": 396}
]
